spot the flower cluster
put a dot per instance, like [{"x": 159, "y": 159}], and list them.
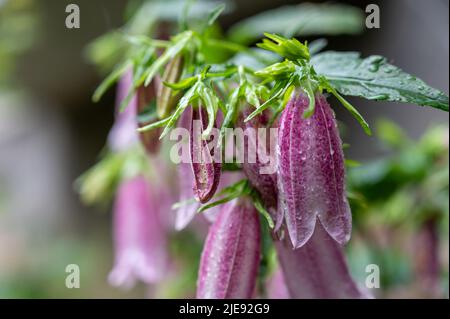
[{"x": 167, "y": 84}]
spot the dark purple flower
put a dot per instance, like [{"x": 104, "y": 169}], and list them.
[
  {"x": 318, "y": 269},
  {"x": 230, "y": 257},
  {"x": 139, "y": 235},
  {"x": 206, "y": 170},
  {"x": 311, "y": 173}
]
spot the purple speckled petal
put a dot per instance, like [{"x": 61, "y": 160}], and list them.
[
  {"x": 311, "y": 172},
  {"x": 230, "y": 257},
  {"x": 139, "y": 236},
  {"x": 335, "y": 215},
  {"x": 318, "y": 269},
  {"x": 206, "y": 171},
  {"x": 123, "y": 134}
]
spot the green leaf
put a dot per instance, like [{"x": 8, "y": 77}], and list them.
[
  {"x": 312, "y": 100},
  {"x": 230, "y": 115},
  {"x": 257, "y": 202},
  {"x": 275, "y": 70},
  {"x": 300, "y": 20},
  {"x": 110, "y": 80},
  {"x": 291, "y": 49},
  {"x": 183, "y": 84},
  {"x": 221, "y": 201},
  {"x": 154, "y": 125},
  {"x": 211, "y": 104},
  {"x": 212, "y": 17},
  {"x": 227, "y": 194},
  {"x": 375, "y": 79},
  {"x": 190, "y": 95},
  {"x": 352, "y": 110},
  {"x": 279, "y": 90},
  {"x": 251, "y": 97}
]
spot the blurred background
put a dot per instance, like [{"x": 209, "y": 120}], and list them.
[{"x": 51, "y": 132}]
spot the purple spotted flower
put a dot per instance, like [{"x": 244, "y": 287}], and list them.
[
  {"x": 139, "y": 235},
  {"x": 230, "y": 257},
  {"x": 311, "y": 173}
]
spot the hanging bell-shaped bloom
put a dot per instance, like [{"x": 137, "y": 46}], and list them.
[
  {"x": 206, "y": 169},
  {"x": 123, "y": 133},
  {"x": 318, "y": 269},
  {"x": 139, "y": 236},
  {"x": 230, "y": 258},
  {"x": 311, "y": 172}
]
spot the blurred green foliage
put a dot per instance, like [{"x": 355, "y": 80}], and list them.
[
  {"x": 18, "y": 31},
  {"x": 400, "y": 203}
]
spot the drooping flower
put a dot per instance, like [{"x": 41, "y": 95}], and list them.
[
  {"x": 139, "y": 236},
  {"x": 230, "y": 258},
  {"x": 311, "y": 172},
  {"x": 206, "y": 169},
  {"x": 318, "y": 269}
]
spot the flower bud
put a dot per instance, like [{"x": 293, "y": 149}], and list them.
[
  {"x": 166, "y": 101},
  {"x": 311, "y": 172},
  {"x": 206, "y": 170},
  {"x": 230, "y": 258}
]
